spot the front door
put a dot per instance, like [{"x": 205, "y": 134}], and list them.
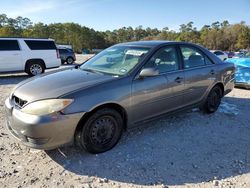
[{"x": 161, "y": 93}]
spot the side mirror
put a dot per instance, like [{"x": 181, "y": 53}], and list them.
[{"x": 148, "y": 72}]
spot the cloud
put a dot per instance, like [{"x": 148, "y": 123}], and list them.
[
  {"x": 34, "y": 9},
  {"x": 29, "y": 8}
]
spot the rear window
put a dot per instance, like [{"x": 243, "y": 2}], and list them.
[
  {"x": 63, "y": 51},
  {"x": 9, "y": 45},
  {"x": 40, "y": 45}
]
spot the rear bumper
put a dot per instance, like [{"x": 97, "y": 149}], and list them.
[{"x": 41, "y": 132}]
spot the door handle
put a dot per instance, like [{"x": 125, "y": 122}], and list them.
[
  {"x": 212, "y": 72},
  {"x": 178, "y": 79}
]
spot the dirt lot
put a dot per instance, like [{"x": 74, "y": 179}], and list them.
[{"x": 189, "y": 149}]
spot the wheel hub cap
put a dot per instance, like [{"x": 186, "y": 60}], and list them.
[
  {"x": 36, "y": 69},
  {"x": 103, "y": 130}
]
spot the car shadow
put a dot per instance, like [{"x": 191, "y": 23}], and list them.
[
  {"x": 244, "y": 88},
  {"x": 189, "y": 147},
  {"x": 15, "y": 78},
  {"x": 11, "y": 79}
]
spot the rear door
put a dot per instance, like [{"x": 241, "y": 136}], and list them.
[
  {"x": 45, "y": 50},
  {"x": 200, "y": 73},
  {"x": 10, "y": 55},
  {"x": 162, "y": 93}
]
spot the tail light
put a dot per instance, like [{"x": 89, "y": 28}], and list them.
[{"x": 57, "y": 54}]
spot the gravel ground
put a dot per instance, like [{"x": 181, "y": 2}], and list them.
[
  {"x": 81, "y": 58},
  {"x": 188, "y": 149}
]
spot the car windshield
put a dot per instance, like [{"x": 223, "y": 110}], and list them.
[{"x": 116, "y": 60}]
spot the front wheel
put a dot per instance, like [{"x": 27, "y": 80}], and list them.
[
  {"x": 101, "y": 131},
  {"x": 213, "y": 100}
]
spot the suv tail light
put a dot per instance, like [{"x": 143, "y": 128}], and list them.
[{"x": 57, "y": 54}]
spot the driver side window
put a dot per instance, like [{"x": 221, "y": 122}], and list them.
[{"x": 165, "y": 60}]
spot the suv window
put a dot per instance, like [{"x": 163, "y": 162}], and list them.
[
  {"x": 40, "y": 44},
  {"x": 192, "y": 57},
  {"x": 9, "y": 45},
  {"x": 165, "y": 60}
]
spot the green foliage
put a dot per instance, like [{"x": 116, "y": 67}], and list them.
[{"x": 218, "y": 35}]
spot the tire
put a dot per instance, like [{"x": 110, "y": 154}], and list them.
[
  {"x": 70, "y": 60},
  {"x": 213, "y": 100},
  {"x": 101, "y": 131},
  {"x": 35, "y": 68}
]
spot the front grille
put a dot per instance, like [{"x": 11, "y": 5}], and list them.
[{"x": 18, "y": 102}]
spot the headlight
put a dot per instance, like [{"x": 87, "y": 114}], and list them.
[{"x": 48, "y": 106}]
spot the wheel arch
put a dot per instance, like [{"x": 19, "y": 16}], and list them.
[
  {"x": 29, "y": 61},
  {"x": 69, "y": 57},
  {"x": 114, "y": 106}
]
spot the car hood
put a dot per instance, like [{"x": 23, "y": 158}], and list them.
[{"x": 56, "y": 84}]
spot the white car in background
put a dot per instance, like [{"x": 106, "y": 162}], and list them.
[
  {"x": 32, "y": 56},
  {"x": 220, "y": 54}
]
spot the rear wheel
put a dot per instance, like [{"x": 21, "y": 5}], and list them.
[
  {"x": 35, "y": 68},
  {"x": 70, "y": 60},
  {"x": 101, "y": 131},
  {"x": 213, "y": 100}
]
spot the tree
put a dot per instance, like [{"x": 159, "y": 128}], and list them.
[
  {"x": 3, "y": 20},
  {"x": 243, "y": 40},
  {"x": 224, "y": 36}
]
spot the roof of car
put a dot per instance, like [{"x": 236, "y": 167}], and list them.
[
  {"x": 151, "y": 43},
  {"x": 216, "y": 51},
  {"x": 26, "y": 38}
]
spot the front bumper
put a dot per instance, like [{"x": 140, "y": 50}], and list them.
[{"x": 41, "y": 132}]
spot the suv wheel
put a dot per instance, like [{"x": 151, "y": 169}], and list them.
[
  {"x": 70, "y": 60},
  {"x": 101, "y": 132},
  {"x": 35, "y": 68},
  {"x": 213, "y": 100}
]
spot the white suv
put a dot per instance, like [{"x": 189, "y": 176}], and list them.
[{"x": 32, "y": 56}]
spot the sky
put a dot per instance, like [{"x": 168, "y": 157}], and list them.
[{"x": 113, "y": 14}]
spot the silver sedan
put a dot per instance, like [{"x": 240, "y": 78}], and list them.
[{"x": 92, "y": 104}]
